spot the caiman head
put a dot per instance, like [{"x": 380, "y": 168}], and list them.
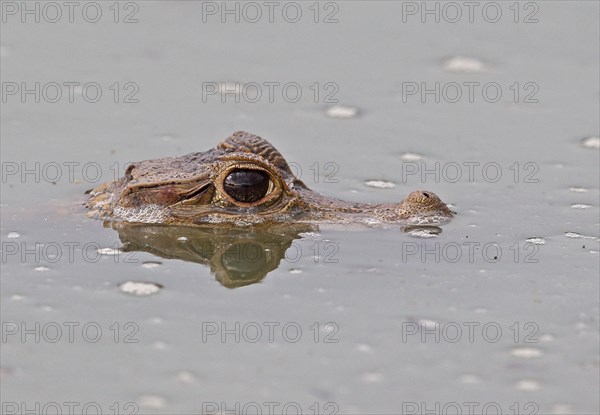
[{"x": 244, "y": 180}]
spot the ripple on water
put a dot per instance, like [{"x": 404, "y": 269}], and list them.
[
  {"x": 591, "y": 142},
  {"x": 13, "y": 235},
  {"x": 463, "y": 64},
  {"x": 578, "y": 189},
  {"x": 536, "y": 240},
  {"x": 341, "y": 111},
  {"x": 41, "y": 268},
  {"x": 140, "y": 288},
  {"x": 380, "y": 184}
]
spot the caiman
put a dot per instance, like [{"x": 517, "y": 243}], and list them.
[{"x": 242, "y": 181}]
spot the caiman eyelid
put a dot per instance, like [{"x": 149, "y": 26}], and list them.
[{"x": 192, "y": 196}]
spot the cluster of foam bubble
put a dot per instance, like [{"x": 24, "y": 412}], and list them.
[
  {"x": 148, "y": 214},
  {"x": 427, "y": 220}
]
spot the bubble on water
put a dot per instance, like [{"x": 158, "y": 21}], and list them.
[
  {"x": 13, "y": 235},
  {"x": 528, "y": 385},
  {"x": 109, "y": 251},
  {"x": 140, "y": 288},
  {"x": 411, "y": 157},
  {"x": 165, "y": 137},
  {"x": 371, "y": 221},
  {"x": 183, "y": 239},
  {"x": 547, "y": 338},
  {"x": 562, "y": 409},
  {"x": 295, "y": 271},
  {"x": 17, "y": 297},
  {"x": 591, "y": 142},
  {"x": 156, "y": 320},
  {"x": 41, "y": 268},
  {"x": 380, "y": 184},
  {"x": 146, "y": 214},
  {"x": 536, "y": 240},
  {"x": 580, "y": 206},
  {"x": 364, "y": 348},
  {"x": 372, "y": 377},
  {"x": 463, "y": 64},
  {"x": 340, "y": 111},
  {"x": 329, "y": 328},
  {"x": 525, "y": 352},
  {"x": 578, "y": 189},
  {"x": 78, "y": 89},
  {"x": 158, "y": 345},
  {"x": 308, "y": 234},
  {"x": 573, "y": 235},
  {"x": 152, "y": 402},
  {"x": 321, "y": 290},
  {"x": 470, "y": 379},
  {"x": 429, "y": 324},
  {"x": 186, "y": 377},
  {"x": 151, "y": 264},
  {"x": 424, "y": 233},
  {"x": 576, "y": 235},
  {"x": 47, "y": 308}
]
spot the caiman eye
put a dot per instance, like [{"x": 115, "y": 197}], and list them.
[{"x": 247, "y": 186}]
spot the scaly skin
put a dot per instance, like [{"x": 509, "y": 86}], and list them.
[{"x": 192, "y": 190}]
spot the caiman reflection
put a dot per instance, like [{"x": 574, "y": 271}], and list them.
[{"x": 237, "y": 257}]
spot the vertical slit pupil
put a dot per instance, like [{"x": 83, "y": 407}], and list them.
[{"x": 247, "y": 186}]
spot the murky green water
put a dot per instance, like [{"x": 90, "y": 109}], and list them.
[{"x": 497, "y": 312}]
